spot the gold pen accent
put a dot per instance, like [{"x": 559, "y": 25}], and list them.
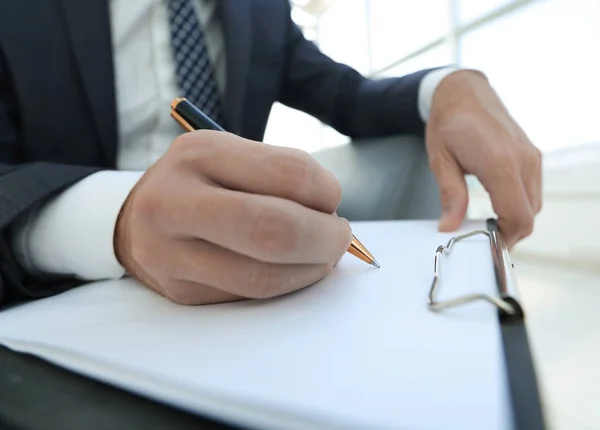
[
  {"x": 182, "y": 122},
  {"x": 191, "y": 118},
  {"x": 360, "y": 251}
]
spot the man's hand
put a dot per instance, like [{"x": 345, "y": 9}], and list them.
[
  {"x": 221, "y": 218},
  {"x": 471, "y": 132}
]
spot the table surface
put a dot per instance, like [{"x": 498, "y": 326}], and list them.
[
  {"x": 37, "y": 395},
  {"x": 563, "y": 320}
]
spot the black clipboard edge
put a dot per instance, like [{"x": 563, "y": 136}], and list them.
[{"x": 522, "y": 380}]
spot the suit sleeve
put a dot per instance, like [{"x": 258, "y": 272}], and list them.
[
  {"x": 23, "y": 186},
  {"x": 341, "y": 97}
]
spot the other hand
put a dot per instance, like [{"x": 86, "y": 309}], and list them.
[
  {"x": 471, "y": 132},
  {"x": 221, "y": 218}
]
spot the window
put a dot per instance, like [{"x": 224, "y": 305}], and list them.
[
  {"x": 292, "y": 128},
  {"x": 470, "y": 10},
  {"x": 343, "y": 34},
  {"x": 441, "y": 55},
  {"x": 542, "y": 58},
  {"x": 538, "y": 54},
  {"x": 541, "y": 61},
  {"x": 400, "y": 27}
]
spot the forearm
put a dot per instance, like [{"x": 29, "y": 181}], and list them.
[
  {"x": 351, "y": 103},
  {"x": 387, "y": 106}
]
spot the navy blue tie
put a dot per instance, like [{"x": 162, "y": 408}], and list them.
[{"x": 194, "y": 71}]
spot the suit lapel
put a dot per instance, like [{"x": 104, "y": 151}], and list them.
[
  {"x": 88, "y": 23},
  {"x": 237, "y": 27}
]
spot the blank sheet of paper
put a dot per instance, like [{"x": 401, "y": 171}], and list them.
[{"x": 359, "y": 349}]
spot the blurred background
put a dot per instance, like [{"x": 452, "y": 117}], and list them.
[
  {"x": 542, "y": 57},
  {"x": 538, "y": 55}
]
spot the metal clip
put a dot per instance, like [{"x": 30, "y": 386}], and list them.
[{"x": 507, "y": 305}]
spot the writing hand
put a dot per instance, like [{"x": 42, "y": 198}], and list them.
[{"x": 221, "y": 218}]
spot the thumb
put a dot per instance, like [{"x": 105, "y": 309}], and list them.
[{"x": 453, "y": 194}]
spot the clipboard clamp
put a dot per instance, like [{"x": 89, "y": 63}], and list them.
[{"x": 506, "y": 301}]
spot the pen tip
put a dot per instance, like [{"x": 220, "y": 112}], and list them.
[{"x": 376, "y": 264}]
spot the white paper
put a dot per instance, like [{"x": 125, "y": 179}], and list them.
[{"x": 358, "y": 350}]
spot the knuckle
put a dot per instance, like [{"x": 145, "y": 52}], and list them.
[
  {"x": 261, "y": 281},
  {"x": 449, "y": 192},
  {"x": 196, "y": 146},
  {"x": 297, "y": 170},
  {"x": 336, "y": 194},
  {"x": 535, "y": 157},
  {"x": 505, "y": 157},
  {"x": 528, "y": 228},
  {"x": 182, "y": 143},
  {"x": 525, "y": 224},
  {"x": 506, "y": 162},
  {"x": 273, "y": 232}
]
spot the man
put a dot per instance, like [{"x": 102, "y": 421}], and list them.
[{"x": 92, "y": 187}]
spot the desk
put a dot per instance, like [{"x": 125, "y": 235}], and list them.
[
  {"x": 563, "y": 322},
  {"x": 37, "y": 395}
]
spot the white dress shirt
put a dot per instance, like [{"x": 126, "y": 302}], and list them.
[{"x": 72, "y": 234}]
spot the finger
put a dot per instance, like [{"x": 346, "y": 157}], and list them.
[
  {"x": 265, "y": 228},
  {"x": 453, "y": 192},
  {"x": 532, "y": 179},
  {"x": 258, "y": 168},
  {"x": 203, "y": 267},
  {"x": 509, "y": 198}
]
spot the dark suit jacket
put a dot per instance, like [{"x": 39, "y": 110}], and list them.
[{"x": 57, "y": 98}]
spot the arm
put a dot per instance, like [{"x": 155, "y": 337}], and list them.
[
  {"x": 354, "y": 105},
  {"x": 22, "y": 188},
  {"x": 469, "y": 130},
  {"x": 25, "y": 187}
]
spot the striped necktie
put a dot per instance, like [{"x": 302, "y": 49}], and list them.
[{"x": 194, "y": 71}]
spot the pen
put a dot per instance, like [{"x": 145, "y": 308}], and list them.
[{"x": 191, "y": 118}]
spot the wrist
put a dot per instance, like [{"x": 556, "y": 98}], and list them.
[
  {"x": 457, "y": 85},
  {"x": 465, "y": 90},
  {"x": 123, "y": 245}
]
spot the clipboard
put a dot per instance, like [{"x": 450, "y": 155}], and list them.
[
  {"x": 520, "y": 371},
  {"x": 487, "y": 384}
]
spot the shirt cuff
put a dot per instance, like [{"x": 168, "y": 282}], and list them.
[
  {"x": 427, "y": 88},
  {"x": 72, "y": 234}
]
